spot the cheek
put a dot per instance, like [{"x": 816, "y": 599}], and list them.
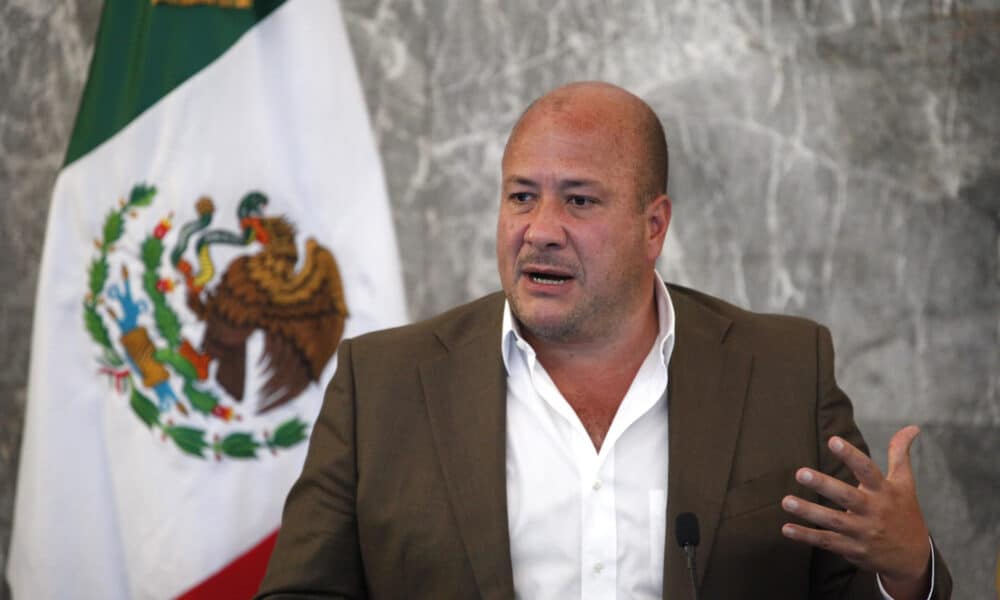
[
  {"x": 506, "y": 248},
  {"x": 617, "y": 254},
  {"x": 508, "y": 237}
]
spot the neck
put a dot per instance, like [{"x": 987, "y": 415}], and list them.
[{"x": 594, "y": 375}]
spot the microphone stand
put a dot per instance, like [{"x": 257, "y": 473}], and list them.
[
  {"x": 686, "y": 529},
  {"x": 689, "y": 550}
]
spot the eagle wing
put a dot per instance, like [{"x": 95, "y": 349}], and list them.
[
  {"x": 303, "y": 320},
  {"x": 231, "y": 311}
]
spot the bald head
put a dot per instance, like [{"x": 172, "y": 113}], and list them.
[{"x": 626, "y": 122}]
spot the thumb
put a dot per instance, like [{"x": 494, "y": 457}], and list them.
[{"x": 899, "y": 451}]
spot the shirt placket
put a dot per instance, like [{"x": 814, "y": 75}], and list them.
[
  {"x": 598, "y": 526},
  {"x": 599, "y": 534}
]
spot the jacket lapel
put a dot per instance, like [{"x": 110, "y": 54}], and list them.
[
  {"x": 465, "y": 392},
  {"x": 707, "y": 387}
]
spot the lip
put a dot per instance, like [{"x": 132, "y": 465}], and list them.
[
  {"x": 546, "y": 270},
  {"x": 537, "y": 288}
]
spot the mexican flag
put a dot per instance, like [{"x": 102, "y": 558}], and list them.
[{"x": 221, "y": 222}]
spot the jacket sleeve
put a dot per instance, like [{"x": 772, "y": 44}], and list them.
[
  {"x": 832, "y": 576},
  {"x": 317, "y": 553},
  {"x": 942, "y": 578}
]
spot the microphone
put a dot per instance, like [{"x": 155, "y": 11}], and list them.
[{"x": 686, "y": 529}]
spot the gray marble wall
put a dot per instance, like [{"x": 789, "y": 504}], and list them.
[{"x": 834, "y": 159}]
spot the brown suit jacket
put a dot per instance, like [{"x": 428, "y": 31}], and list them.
[{"x": 403, "y": 492}]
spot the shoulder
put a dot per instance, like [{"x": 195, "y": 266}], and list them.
[
  {"x": 474, "y": 322},
  {"x": 756, "y": 331}
]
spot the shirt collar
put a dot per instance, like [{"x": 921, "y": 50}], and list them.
[{"x": 510, "y": 336}]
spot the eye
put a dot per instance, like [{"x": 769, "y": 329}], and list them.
[
  {"x": 521, "y": 197},
  {"x": 580, "y": 201}
]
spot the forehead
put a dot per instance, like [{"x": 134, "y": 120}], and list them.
[{"x": 578, "y": 142}]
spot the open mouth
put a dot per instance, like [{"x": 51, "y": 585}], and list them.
[{"x": 547, "y": 278}]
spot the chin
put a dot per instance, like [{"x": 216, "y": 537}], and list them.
[
  {"x": 556, "y": 333},
  {"x": 547, "y": 326},
  {"x": 546, "y": 318}
]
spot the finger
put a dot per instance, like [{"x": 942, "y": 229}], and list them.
[
  {"x": 863, "y": 467},
  {"x": 844, "y": 495},
  {"x": 828, "y": 518},
  {"x": 828, "y": 540},
  {"x": 899, "y": 450}
]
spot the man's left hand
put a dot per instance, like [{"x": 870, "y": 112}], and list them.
[{"x": 881, "y": 528}]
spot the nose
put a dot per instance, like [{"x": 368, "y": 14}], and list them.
[{"x": 546, "y": 227}]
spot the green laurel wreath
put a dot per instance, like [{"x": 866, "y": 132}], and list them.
[{"x": 190, "y": 440}]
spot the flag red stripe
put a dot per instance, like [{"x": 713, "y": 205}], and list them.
[{"x": 239, "y": 579}]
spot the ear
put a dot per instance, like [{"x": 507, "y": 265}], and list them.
[{"x": 657, "y": 218}]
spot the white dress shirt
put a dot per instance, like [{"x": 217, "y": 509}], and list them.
[{"x": 587, "y": 524}]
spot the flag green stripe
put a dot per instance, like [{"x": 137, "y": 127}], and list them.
[{"x": 143, "y": 52}]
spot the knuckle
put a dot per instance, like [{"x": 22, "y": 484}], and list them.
[
  {"x": 876, "y": 532},
  {"x": 865, "y": 553}
]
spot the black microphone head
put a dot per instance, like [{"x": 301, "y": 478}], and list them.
[{"x": 686, "y": 529}]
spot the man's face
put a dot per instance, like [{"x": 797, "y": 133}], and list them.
[{"x": 573, "y": 248}]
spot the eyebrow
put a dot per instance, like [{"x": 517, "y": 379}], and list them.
[
  {"x": 575, "y": 183},
  {"x": 516, "y": 180},
  {"x": 565, "y": 184}
]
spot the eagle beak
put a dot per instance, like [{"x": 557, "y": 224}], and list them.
[{"x": 257, "y": 231}]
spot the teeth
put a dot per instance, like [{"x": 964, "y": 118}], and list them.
[{"x": 548, "y": 280}]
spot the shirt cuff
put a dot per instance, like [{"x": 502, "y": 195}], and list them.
[{"x": 930, "y": 592}]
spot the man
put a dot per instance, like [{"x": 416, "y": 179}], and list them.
[{"x": 539, "y": 443}]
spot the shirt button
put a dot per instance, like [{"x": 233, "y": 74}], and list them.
[
  {"x": 598, "y": 567},
  {"x": 597, "y": 485}
]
